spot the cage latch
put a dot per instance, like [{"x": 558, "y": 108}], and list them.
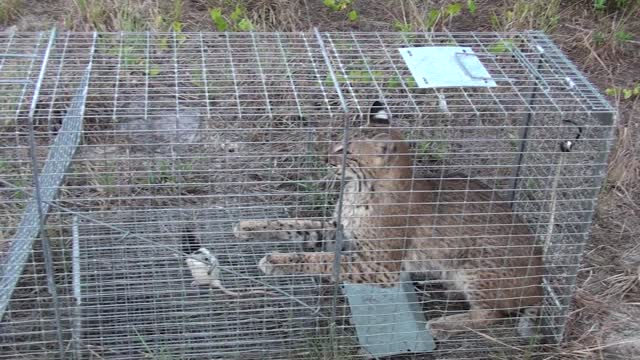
[{"x": 567, "y": 145}]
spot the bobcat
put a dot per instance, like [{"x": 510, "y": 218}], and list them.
[{"x": 457, "y": 229}]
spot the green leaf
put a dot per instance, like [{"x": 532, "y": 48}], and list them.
[
  {"x": 432, "y": 18},
  {"x": 237, "y": 14},
  {"x": 245, "y": 25},
  {"x": 154, "y": 70},
  {"x": 331, "y": 4},
  {"x": 164, "y": 43},
  {"x": 377, "y": 74},
  {"x": 394, "y": 82},
  {"x": 411, "y": 82},
  {"x": 197, "y": 78},
  {"x": 401, "y": 26},
  {"x": 328, "y": 82},
  {"x": 176, "y": 26},
  {"x": 496, "y": 24},
  {"x": 623, "y": 36},
  {"x": 611, "y": 91},
  {"x": 500, "y": 47},
  {"x": 352, "y": 15},
  {"x": 627, "y": 93},
  {"x": 471, "y": 5},
  {"x": 355, "y": 76},
  {"x": 599, "y": 37},
  {"x": 218, "y": 19},
  {"x": 453, "y": 9}
]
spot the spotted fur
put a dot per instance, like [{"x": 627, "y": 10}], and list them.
[{"x": 458, "y": 229}]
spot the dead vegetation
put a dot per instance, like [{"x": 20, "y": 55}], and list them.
[{"x": 602, "y": 37}]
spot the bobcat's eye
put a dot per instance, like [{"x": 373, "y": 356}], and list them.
[{"x": 339, "y": 150}]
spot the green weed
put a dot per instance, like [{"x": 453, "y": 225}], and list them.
[
  {"x": 121, "y": 15},
  {"x": 10, "y": 10},
  {"x": 622, "y": 36},
  {"x": 19, "y": 182},
  {"x": 352, "y": 15},
  {"x": 218, "y": 19},
  {"x": 9, "y": 103},
  {"x": 160, "y": 354},
  {"x": 106, "y": 179},
  {"x": 321, "y": 347},
  {"x": 364, "y": 76},
  {"x": 176, "y": 26},
  {"x": 328, "y": 81},
  {"x": 527, "y": 14},
  {"x": 318, "y": 198},
  {"x": 613, "y": 5},
  {"x": 402, "y": 26},
  {"x": 434, "y": 18},
  {"x": 434, "y": 150},
  {"x": 612, "y": 34},
  {"x": 396, "y": 82},
  {"x": 342, "y": 6},
  {"x": 625, "y": 93},
  {"x": 471, "y": 6},
  {"x": 154, "y": 70},
  {"x": 161, "y": 174},
  {"x": 197, "y": 77},
  {"x": 500, "y": 47},
  {"x": 92, "y": 12},
  {"x": 177, "y": 10},
  {"x": 237, "y": 20}
]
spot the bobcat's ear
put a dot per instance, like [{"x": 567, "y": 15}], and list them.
[{"x": 378, "y": 114}]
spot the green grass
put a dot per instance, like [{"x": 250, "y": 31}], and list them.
[
  {"x": 321, "y": 347},
  {"x": 154, "y": 354},
  {"x": 614, "y": 5},
  {"x": 10, "y": 10},
  {"x": 236, "y": 20},
  {"x": 122, "y": 15},
  {"x": 433, "y": 150},
  {"x": 527, "y": 14},
  {"x": 625, "y": 93}
]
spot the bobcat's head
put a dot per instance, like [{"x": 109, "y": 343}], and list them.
[{"x": 377, "y": 151}]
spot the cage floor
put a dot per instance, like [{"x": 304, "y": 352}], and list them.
[{"x": 137, "y": 297}]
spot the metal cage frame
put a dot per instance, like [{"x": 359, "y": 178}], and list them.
[{"x": 546, "y": 130}]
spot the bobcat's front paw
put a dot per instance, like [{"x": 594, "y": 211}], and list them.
[
  {"x": 267, "y": 266},
  {"x": 438, "y": 329},
  {"x": 243, "y": 229},
  {"x": 281, "y": 263}
]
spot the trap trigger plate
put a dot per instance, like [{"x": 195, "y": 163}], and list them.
[{"x": 388, "y": 321}]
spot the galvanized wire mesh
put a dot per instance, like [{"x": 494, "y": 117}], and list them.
[{"x": 190, "y": 133}]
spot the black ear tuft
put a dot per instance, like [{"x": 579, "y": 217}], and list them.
[{"x": 378, "y": 114}]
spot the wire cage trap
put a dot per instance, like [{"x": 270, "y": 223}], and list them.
[{"x": 146, "y": 147}]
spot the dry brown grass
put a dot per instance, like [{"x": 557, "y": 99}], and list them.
[{"x": 624, "y": 166}]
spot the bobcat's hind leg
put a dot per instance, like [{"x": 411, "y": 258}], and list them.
[{"x": 310, "y": 233}]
